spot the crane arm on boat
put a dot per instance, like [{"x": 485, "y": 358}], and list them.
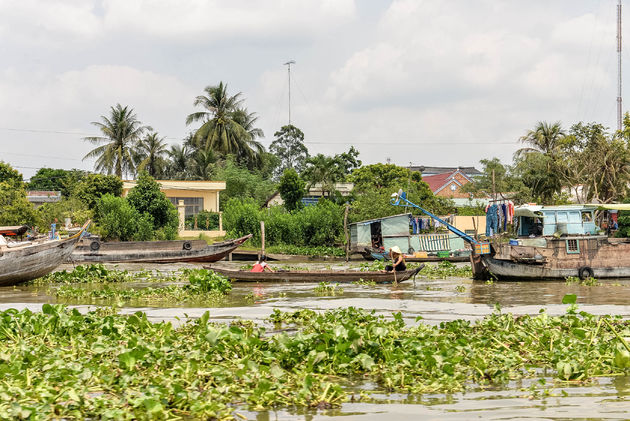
[{"x": 400, "y": 199}]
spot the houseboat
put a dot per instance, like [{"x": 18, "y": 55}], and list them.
[
  {"x": 552, "y": 242},
  {"x": 556, "y": 242},
  {"x": 373, "y": 238}
]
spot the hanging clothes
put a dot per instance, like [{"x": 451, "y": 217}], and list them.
[
  {"x": 492, "y": 220},
  {"x": 504, "y": 210}
]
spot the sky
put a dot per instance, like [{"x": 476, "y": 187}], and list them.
[{"x": 435, "y": 83}]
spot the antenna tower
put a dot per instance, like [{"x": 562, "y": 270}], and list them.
[
  {"x": 619, "y": 116},
  {"x": 288, "y": 64}
]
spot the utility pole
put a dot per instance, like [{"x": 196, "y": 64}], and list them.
[
  {"x": 288, "y": 64},
  {"x": 619, "y": 116}
]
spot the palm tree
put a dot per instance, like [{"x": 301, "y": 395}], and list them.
[
  {"x": 324, "y": 170},
  {"x": 179, "y": 161},
  {"x": 202, "y": 165},
  {"x": 545, "y": 138},
  {"x": 219, "y": 131},
  {"x": 151, "y": 151},
  {"x": 247, "y": 121},
  {"x": 120, "y": 130}
]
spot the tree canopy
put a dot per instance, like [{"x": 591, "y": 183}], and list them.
[
  {"x": 226, "y": 127},
  {"x": 121, "y": 130},
  {"x": 292, "y": 189},
  {"x": 289, "y": 148}
]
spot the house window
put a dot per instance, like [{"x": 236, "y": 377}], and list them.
[
  {"x": 573, "y": 246},
  {"x": 193, "y": 205}
]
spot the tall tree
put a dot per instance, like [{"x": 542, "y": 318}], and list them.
[
  {"x": 121, "y": 130},
  {"x": 221, "y": 130},
  {"x": 8, "y": 173},
  {"x": 289, "y": 148},
  {"x": 323, "y": 170},
  {"x": 544, "y": 138},
  {"x": 177, "y": 167},
  {"x": 56, "y": 179},
  {"x": 202, "y": 165},
  {"x": 151, "y": 151},
  {"x": 291, "y": 189},
  {"x": 540, "y": 164}
]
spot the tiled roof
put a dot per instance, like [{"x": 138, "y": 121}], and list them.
[
  {"x": 438, "y": 180},
  {"x": 469, "y": 171}
]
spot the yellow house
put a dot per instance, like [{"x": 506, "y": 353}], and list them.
[{"x": 190, "y": 197}]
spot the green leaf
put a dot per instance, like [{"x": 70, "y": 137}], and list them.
[
  {"x": 127, "y": 360},
  {"x": 569, "y": 299}
]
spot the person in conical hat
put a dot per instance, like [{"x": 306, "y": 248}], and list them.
[{"x": 398, "y": 260}]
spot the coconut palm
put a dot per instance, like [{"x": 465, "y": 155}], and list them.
[
  {"x": 545, "y": 138},
  {"x": 179, "y": 161},
  {"x": 247, "y": 121},
  {"x": 221, "y": 130},
  {"x": 202, "y": 165},
  {"x": 120, "y": 130},
  {"x": 151, "y": 151}
]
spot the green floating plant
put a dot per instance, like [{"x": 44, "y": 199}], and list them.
[{"x": 62, "y": 364}]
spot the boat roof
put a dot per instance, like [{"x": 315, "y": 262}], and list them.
[
  {"x": 535, "y": 211},
  {"x": 369, "y": 221}
]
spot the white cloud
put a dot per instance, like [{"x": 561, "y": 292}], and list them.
[
  {"x": 216, "y": 18},
  {"x": 46, "y": 21},
  {"x": 367, "y": 73},
  {"x": 69, "y": 102}
]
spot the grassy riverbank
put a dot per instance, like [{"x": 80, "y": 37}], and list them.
[{"x": 60, "y": 363}]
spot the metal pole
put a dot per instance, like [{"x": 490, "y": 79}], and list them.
[
  {"x": 619, "y": 112},
  {"x": 288, "y": 64}
]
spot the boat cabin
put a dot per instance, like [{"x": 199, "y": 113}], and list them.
[
  {"x": 539, "y": 221},
  {"x": 384, "y": 233}
]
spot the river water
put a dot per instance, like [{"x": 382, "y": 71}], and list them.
[{"x": 435, "y": 300}]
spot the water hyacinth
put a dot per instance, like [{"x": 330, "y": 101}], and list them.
[
  {"x": 60, "y": 363},
  {"x": 203, "y": 286}
]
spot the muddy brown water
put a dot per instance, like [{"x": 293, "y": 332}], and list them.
[{"x": 435, "y": 300}]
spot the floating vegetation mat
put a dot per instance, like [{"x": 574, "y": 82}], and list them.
[
  {"x": 63, "y": 364},
  {"x": 202, "y": 286}
]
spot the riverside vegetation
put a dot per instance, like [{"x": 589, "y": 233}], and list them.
[
  {"x": 63, "y": 364},
  {"x": 202, "y": 285}
]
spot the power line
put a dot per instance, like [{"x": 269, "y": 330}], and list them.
[{"x": 49, "y": 131}]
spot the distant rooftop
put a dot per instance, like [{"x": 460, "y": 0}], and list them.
[
  {"x": 426, "y": 170},
  {"x": 41, "y": 196}
]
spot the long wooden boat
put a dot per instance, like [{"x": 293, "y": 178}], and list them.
[
  {"x": 556, "y": 242},
  {"x": 195, "y": 251},
  {"x": 370, "y": 254},
  {"x": 316, "y": 276},
  {"x": 34, "y": 259}
]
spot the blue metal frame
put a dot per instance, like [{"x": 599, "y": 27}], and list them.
[{"x": 396, "y": 201}]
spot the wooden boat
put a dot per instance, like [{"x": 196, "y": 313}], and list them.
[
  {"x": 370, "y": 254},
  {"x": 555, "y": 242},
  {"x": 195, "y": 251},
  {"x": 316, "y": 276},
  {"x": 34, "y": 259},
  {"x": 13, "y": 230}
]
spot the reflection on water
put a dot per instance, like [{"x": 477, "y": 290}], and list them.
[{"x": 434, "y": 301}]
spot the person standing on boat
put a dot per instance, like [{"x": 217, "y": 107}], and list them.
[
  {"x": 398, "y": 260},
  {"x": 261, "y": 265}
]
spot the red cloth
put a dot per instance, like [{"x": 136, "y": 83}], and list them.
[{"x": 259, "y": 267}]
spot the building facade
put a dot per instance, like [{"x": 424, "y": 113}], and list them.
[{"x": 190, "y": 198}]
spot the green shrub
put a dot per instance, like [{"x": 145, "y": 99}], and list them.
[
  {"x": 72, "y": 208},
  {"x": 117, "y": 219},
  {"x": 242, "y": 217},
  {"x": 320, "y": 225},
  {"x": 147, "y": 198}
]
